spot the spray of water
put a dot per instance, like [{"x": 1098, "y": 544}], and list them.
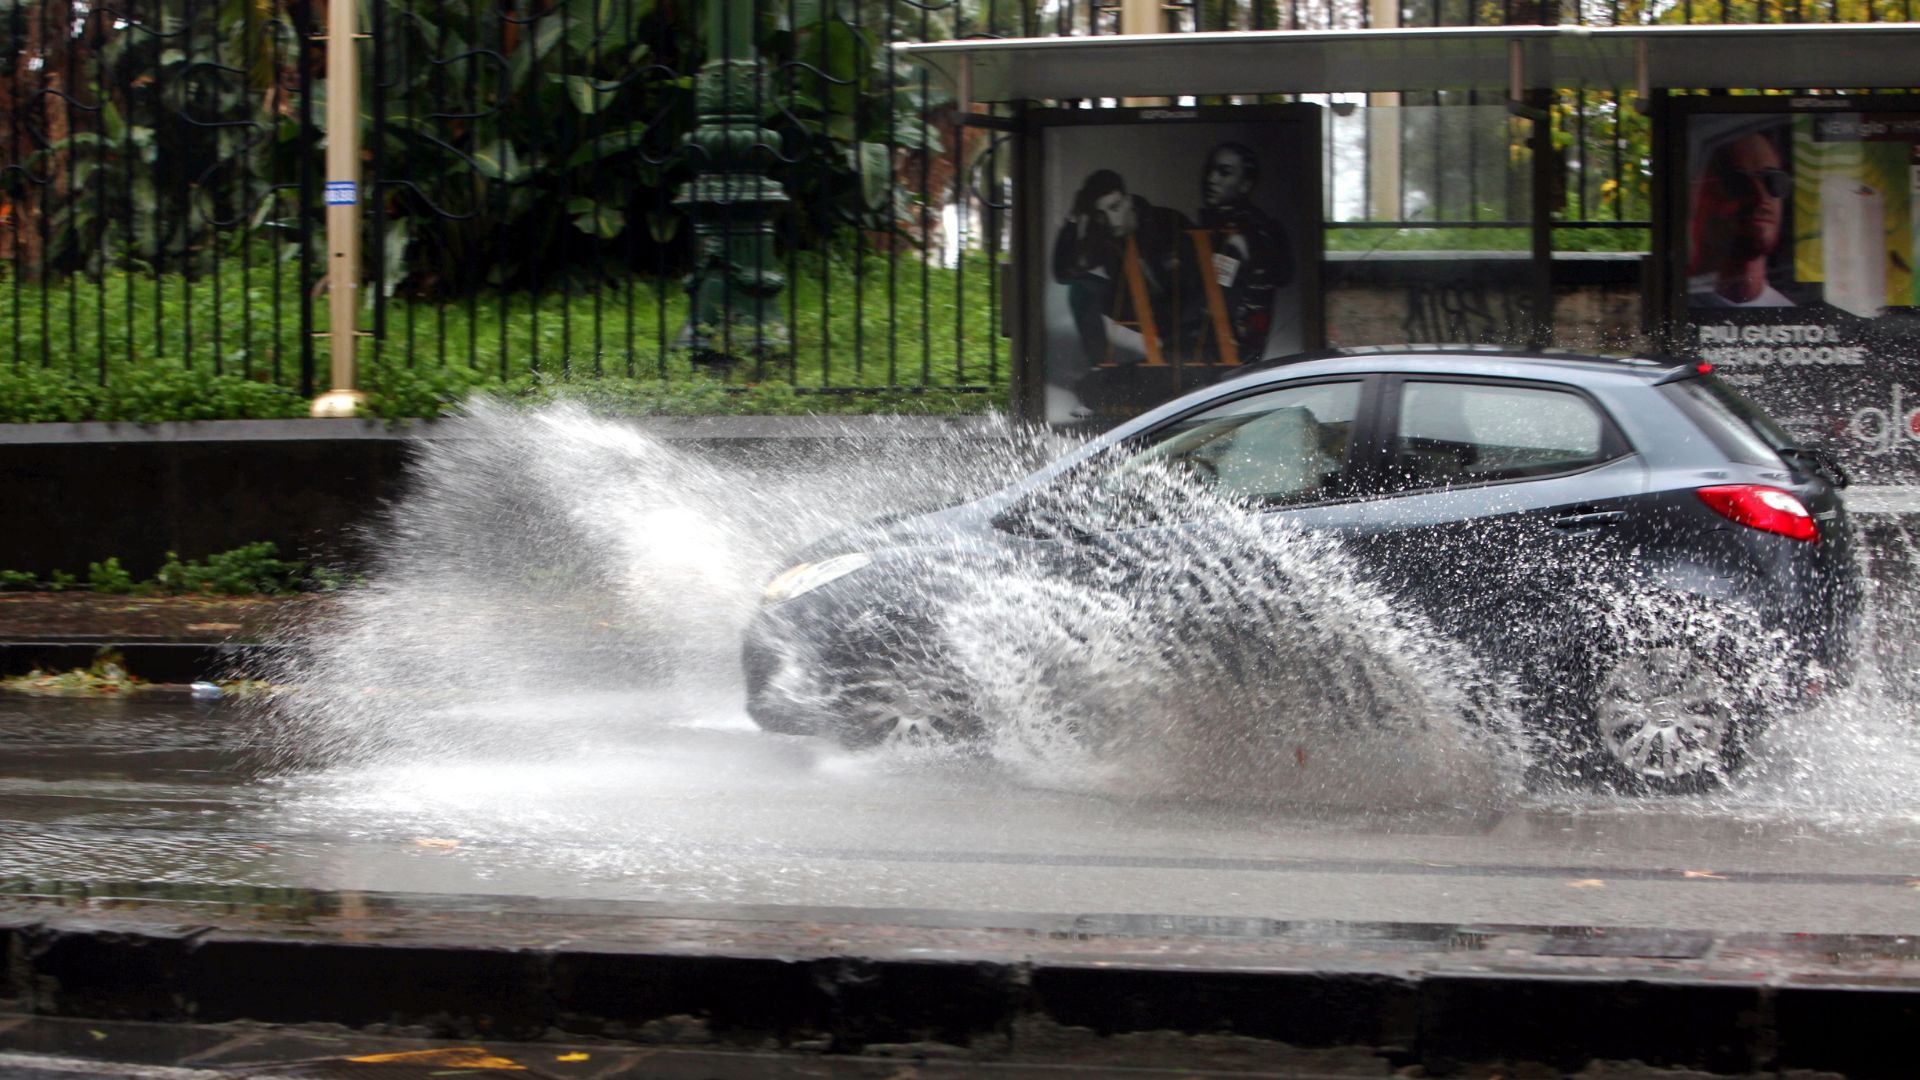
[
  {"x": 554, "y": 555},
  {"x": 1197, "y": 647},
  {"x": 551, "y": 554}
]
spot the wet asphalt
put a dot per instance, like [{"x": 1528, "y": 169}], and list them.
[{"x": 682, "y": 802}]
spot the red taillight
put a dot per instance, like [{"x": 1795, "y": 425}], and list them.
[{"x": 1765, "y": 508}]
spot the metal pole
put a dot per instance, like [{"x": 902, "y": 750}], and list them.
[
  {"x": 1544, "y": 164},
  {"x": 343, "y": 209},
  {"x": 1143, "y": 17},
  {"x": 1385, "y": 195}
]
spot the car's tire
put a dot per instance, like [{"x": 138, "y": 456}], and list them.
[
  {"x": 776, "y": 701},
  {"x": 902, "y": 715},
  {"x": 781, "y": 719},
  {"x": 892, "y": 683},
  {"x": 1667, "y": 716},
  {"x": 869, "y": 710}
]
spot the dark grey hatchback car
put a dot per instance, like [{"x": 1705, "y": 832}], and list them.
[{"x": 1515, "y": 500}]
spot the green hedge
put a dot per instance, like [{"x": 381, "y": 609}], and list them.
[
  {"x": 903, "y": 337},
  {"x": 249, "y": 570}
]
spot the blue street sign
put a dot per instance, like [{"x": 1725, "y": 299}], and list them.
[{"x": 341, "y": 193}]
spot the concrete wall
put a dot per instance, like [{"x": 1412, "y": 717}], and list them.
[
  {"x": 77, "y": 493},
  {"x": 71, "y": 494},
  {"x": 1389, "y": 298}
]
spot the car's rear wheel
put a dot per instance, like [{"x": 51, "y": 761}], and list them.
[
  {"x": 1667, "y": 717},
  {"x": 1663, "y": 696}
]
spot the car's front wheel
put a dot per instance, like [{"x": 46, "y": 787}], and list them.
[{"x": 896, "y": 713}]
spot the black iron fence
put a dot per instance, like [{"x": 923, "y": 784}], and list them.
[
  {"x": 158, "y": 187},
  {"x": 525, "y": 164},
  {"x": 160, "y": 204}
]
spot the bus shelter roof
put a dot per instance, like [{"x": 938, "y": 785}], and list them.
[{"x": 1508, "y": 58}]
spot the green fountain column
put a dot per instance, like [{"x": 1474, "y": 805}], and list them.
[{"x": 734, "y": 290}]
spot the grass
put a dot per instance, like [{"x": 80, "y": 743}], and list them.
[
  {"x": 76, "y": 683},
  {"x": 107, "y": 676},
  {"x": 1520, "y": 238},
  {"x": 902, "y": 336}
]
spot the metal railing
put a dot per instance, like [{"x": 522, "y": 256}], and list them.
[
  {"x": 155, "y": 180},
  {"x": 160, "y": 196}
]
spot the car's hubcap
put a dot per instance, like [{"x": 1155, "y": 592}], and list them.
[
  {"x": 904, "y": 718},
  {"x": 1664, "y": 714},
  {"x": 911, "y": 731}
]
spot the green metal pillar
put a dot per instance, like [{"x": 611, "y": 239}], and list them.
[{"x": 734, "y": 290}]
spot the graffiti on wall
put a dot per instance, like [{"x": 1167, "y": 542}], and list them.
[{"x": 1472, "y": 312}]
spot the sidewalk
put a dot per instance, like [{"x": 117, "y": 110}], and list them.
[
  {"x": 160, "y": 639},
  {"x": 1236, "y": 994}
]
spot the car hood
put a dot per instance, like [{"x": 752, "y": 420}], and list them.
[{"x": 967, "y": 525}]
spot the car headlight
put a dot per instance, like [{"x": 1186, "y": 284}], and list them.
[{"x": 808, "y": 576}]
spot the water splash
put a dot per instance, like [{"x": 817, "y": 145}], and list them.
[
  {"x": 548, "y": 555},
  {"x": 543, "y": 554},
  {"x": 1205, "y": 649}
]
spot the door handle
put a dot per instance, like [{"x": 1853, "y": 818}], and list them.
[{"x": 1589, "y": 520}]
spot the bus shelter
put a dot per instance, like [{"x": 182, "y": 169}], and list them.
[{"x": 1180, "y": 231}]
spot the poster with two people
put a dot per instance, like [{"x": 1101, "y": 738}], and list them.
[{"x": 1179, "y": 243}]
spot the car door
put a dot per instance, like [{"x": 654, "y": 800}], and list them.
[
  {"x": 1499, "y": 505},
  {"x": 1206, "y": 533}
]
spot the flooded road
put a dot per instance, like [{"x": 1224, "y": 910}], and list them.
[
  {"x": 682, "y": 801},
  {"x": 539, "y": 693}
]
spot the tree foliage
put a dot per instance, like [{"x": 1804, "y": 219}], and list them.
[{"x": 503, "y": 145}]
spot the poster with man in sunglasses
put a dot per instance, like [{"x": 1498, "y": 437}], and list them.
[
  {"x": 1795, "y": 235},
  {"x": 1740, "y": 252}
]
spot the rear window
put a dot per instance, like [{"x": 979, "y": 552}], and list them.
[
  {"x": 1736, "y": 425},
  {"x": 1472, "y": 433}
]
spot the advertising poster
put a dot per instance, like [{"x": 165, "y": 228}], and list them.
[
  {"x": 1179, "y": 243},
  {"x": 1797, "y": 223}
]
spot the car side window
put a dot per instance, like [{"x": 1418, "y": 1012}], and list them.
[
  {"x": 1454, "y": 433},
  {"x": 1283, "y": 447}
]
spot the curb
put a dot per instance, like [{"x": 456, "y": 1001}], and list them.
[
  {"x": 986, "y": 1009},
  {"x": 153, "y": 662}
]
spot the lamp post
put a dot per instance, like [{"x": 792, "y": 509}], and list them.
[
  {"x": 343, "y": 212},
  {"x": 736, "y": 281}
]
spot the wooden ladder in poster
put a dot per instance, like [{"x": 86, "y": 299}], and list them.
[
  {"x": 1136, "y": 282},
  {"x": 1216, "y": 298}
]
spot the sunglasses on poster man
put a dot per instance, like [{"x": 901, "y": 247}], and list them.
[{"x": 1775, "y": 182}]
